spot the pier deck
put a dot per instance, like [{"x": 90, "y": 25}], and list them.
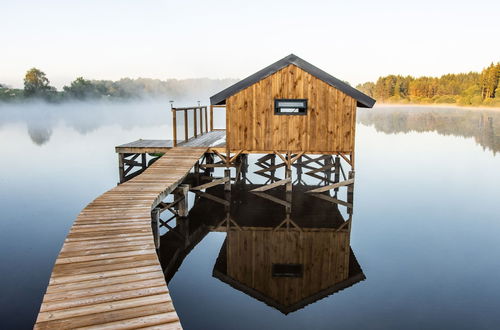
[
  {"x": 107, "y": 274},
  {"x": 215, "y": 139}
]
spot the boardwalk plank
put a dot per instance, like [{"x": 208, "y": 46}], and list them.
[{"x": 107, "y": 274}]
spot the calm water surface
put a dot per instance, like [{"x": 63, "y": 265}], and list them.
[{"x": 424, "y": 234}]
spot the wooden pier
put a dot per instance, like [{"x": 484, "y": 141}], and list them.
[{"x": 107, "y": 274}]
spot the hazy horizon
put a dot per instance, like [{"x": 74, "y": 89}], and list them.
[{"x": 356, "y": 41}]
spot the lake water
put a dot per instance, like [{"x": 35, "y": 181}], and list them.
[{"x": 423, "y": 251}]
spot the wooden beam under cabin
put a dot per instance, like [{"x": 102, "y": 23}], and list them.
[
  {"x": 332, "y": 186},
  {"x": 272, "y": 185},
  {"x": 211, "y": 184}
]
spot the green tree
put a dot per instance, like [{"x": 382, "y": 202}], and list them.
[
  {"x": 367, "y": 88},
  {"x": 82, "y": 89},
  {"x": 37, "y": 84},
  {"x": 489, "y": 81}
]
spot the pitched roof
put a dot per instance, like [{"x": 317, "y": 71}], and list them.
[{"x": 363, "y": 100}]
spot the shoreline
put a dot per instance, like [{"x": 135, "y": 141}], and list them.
[{"x": 440, "y": 105}]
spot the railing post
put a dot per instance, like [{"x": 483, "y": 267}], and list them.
[
  {"x": 201, "y": 120},
  {"x": 186, "y": 128},
  {"x": 211, "y": 117},
  {"x": 121, "y": 167},
  {"x": 206, "y": 119},
  {"x": 195, "y": 124},
  {"x": 174, "y": 126}
]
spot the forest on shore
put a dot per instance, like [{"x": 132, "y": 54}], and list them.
[
  {"x": 465, "y": 89},
  {"x": 37, "y": 87}
]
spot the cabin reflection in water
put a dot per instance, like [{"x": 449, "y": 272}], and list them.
[{"x": 287, "y": 250}]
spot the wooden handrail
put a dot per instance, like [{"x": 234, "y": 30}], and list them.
[
  {"x": 212, "y": 106},
  {"x": 203, "y": 127}
]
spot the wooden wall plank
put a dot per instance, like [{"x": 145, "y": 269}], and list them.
[{"x": 327, "y": 127}]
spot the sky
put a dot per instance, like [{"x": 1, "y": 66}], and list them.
[{"x": 353, "y": 40}]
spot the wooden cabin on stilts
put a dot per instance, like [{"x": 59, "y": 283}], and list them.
[{"x": 297, "y": 112}]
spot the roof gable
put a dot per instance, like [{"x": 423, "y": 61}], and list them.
[{"x": 363, "y": 100}]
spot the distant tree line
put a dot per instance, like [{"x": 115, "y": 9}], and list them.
[
  {"x": 37, "y": 86},
  {"x": 463, "y": 88}
]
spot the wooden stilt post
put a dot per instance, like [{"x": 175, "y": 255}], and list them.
[
  {"x": 197, "y": 167},
  {"x": 288, "y": 172},
  {"x": 155, "y": 224},
  {"x": 143, "y": 161},
  {"x": 244, "y": 166},
  {"x": 299, "y": 170},
  {"x": 337, "y": 171},
  {"x": 273, "y": 172},
  {"x": 181, "y": 192},
  {"x": 288, "y": 175},
  {"x": 350, "y": 192},
  {"x": 328, "y": 171},
  {"x": 288, "y": 208},
  {"x": 121, "y": 167},
  {"x": 209, "y": 159},
  {"x": 227, "y": 184}
]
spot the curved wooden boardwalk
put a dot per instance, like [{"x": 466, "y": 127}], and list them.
[{"x": 107, "y": 275}]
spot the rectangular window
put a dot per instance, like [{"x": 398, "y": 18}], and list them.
[
  {"x": 287, "y": 270},
  {"x": 290, "y": 106}
]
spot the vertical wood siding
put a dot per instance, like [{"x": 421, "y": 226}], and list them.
[
  {"x": 324, "y": 256},
  {"x": 328, "y": 126}
]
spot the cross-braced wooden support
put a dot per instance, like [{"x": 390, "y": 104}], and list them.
[
  {"x": 131, "y": 165},
  {"x": 288, "y": 160},
  {"x": 178, "y": 209}
]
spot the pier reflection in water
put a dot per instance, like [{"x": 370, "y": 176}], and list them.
[{"x": 285, "y": 250}]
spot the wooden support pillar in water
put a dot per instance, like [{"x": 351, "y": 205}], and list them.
[
  {"x": 288, "y": 208},
  {"x": 181, "y": 192},
  {"x": 121, "y": 167},
  {"x": 155, "y": 224},
  {"x": 350, "y": 192},
  {"x": 143, "y": 161},
  {"x": 328, "y": 169},
  {"x": 288, "y": 175},
  {"x": 273, "y": 172},
  {"x": 197, "y": 167},
  {"x": 209, "y": 159},
  {"x": 299, "y": 170},
  {"x": 244, "y": 166},
  {"x": 227, "y": 184},
  {"x": 337, "y": 171}
]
